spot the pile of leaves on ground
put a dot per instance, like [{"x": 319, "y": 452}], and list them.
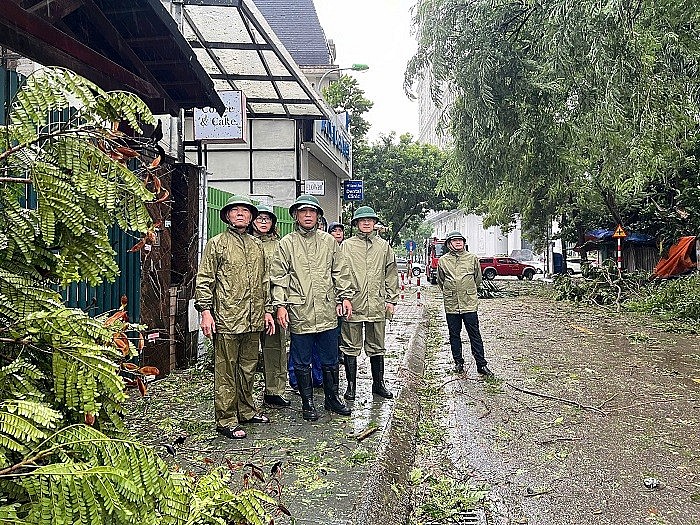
[{"x": 675, "y": 301}]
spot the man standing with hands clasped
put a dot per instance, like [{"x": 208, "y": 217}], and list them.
[
  {"x": 231, "y": 293},
  {"x": 376, "y": 282},
  {"x": 311, "y": 287},
  {"x": 459, "y": 276}
]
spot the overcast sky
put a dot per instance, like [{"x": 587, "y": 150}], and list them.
[{"x": 376, "y": 33}]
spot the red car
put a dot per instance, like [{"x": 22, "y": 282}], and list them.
[{"x": 493, "y": 266}]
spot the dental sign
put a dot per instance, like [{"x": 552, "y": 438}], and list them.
[{"x": 211, "y": 127}]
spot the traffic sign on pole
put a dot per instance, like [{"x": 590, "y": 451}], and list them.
[
  {"x": 353, "y": 190},
  {"x": 410, "y": 246}
]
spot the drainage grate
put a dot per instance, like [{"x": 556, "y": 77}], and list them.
[{"x": 470, "y": 517}]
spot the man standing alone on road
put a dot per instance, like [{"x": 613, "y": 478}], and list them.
[
  {"x": 459, "y": 276},
  {"x": 376, "y": 281},
  {"x": 274, "y": 347},
  {"x": 231, "y": 293},
  {"x": 311, "y": 287}
]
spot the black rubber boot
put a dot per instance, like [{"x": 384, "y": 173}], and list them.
[
  {"x": 351, "y": 376},
  {"x": 377, "y": 364},
  {"x": 341, "y": 357},
  {"x": 306, "y": 391},
  {"x": 330, "y": 379}
]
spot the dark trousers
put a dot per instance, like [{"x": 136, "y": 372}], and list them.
[
  {"x": 471, "y": 323},
  {"x": 302, "y": 346},
  {"x": 316, "y": 373}
]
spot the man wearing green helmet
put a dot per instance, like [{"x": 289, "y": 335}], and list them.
[
  {"x": 232, "y": 292},
  {"x": 376, "y": 282},
  {"x": 274, "y": 347},
  {"x": 311, "y": 287},
  {"x": 459, "y": 276}
]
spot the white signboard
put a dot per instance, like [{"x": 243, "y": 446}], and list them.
[
  {"x": 314, "y": 187},
  {"x": 209, "y": 126}
]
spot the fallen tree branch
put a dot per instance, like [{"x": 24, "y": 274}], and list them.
[
  {"x": 557, "y": 439},
  {"x": 560, "y": 399},
  {"x": 361, "y": 436}
]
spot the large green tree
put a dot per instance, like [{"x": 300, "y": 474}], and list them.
[
  {"x": 572, "y": 109},
  {"x": 345, "y": 94},
  {"x": 400, "y": 181}
]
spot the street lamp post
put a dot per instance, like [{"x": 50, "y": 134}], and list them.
[{"x": 354, "y": 67}]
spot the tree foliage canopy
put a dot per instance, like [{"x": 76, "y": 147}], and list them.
[
  {"x": 346, "y": 95},
  {"x": 400, "y": 181},
  {"x": 64, "y": 454},
  {"x": 582, "y": 109}
]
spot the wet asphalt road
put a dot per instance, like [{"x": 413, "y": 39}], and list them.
[{"x": 629, "y": 410}]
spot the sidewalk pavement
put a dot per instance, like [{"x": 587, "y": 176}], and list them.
[
  {"x": 331, "y": 477},
  {"x": 335, "y": 471}
]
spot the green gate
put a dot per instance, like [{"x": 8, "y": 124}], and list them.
[
  {"x": 216, "y": 199},
  {"x": 107, "y": 296}
]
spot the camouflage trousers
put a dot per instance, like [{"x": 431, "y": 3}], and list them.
[{"x": 235, "y": 360}]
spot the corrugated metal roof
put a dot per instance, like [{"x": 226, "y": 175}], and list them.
[{"x": 297, "y": 26}]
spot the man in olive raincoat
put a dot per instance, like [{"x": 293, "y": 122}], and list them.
[
  {"x": 311, "y": 287},
  {"x": 459, "y": 276},
  {"x": 376, "y": 281},
  {"x": 231, "y": 293},
  {"x": 274, "y": 347}
]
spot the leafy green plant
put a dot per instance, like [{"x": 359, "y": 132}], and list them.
[
  {"x": 64, "y": 453},
  {"x": 446, "y": 499}
]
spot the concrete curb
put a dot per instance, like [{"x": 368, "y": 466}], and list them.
[{"x": 384, "y": 499}]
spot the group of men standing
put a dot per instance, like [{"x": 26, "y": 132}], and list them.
[{"x": 255, "y": 288}]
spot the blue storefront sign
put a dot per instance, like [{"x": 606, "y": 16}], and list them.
[{"x": 353, "y": 190}]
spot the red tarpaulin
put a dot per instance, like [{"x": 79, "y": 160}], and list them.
[{"x": 678, "y": 259}]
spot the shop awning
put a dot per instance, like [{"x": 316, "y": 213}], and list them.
[
  {"x": 133, "y": 45},
  {"x": 239, "y": 50}
]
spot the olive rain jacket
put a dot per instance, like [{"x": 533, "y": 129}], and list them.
[
  {"x": 233, "y": 283},
  {"x": 459, "y": 275},
  {"x": 309, "y": 277},
  {"x": 269, "y": 241},
  {"x": 376, "y": 281}
]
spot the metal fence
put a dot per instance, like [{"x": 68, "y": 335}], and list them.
[{"x": 105, "y": 296}]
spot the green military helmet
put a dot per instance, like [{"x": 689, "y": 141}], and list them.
[
  {"x": 363, "y": 212},
  {"x": 453, "y": 235},
  {"x": 264, "y": 208},
  {"x": 305, "y": 201},
  {"x": 237, "y": 200}
]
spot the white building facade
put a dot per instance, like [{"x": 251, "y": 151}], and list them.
[{"x": 480, "y": 241}]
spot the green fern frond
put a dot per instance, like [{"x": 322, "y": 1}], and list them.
[
  {"x": 8, "y": 513},
  {"x": 21, "y": 381},
  {"x": 214, "y": 502},
  {"x": 24, "y": 294},
  {"x": 77, "y": 373}
]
